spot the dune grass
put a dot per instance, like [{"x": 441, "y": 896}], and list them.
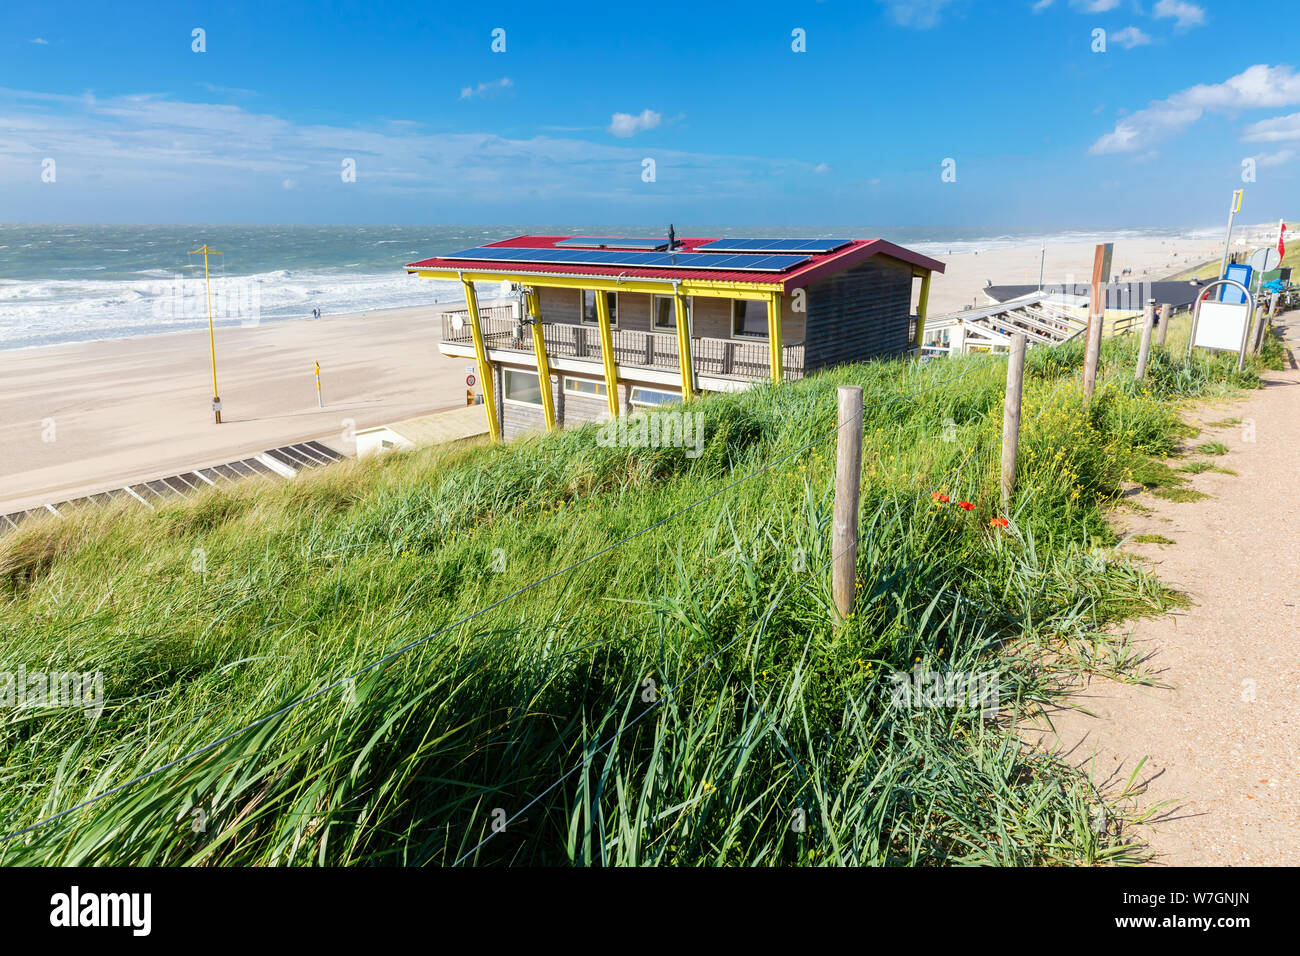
[{"x": 687, "y": 697}]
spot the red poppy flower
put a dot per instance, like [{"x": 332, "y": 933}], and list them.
[
  {"x": 940, "y": 497},
  {"x": 999, "y": 522},
  {"x": 966, "y": 506}
]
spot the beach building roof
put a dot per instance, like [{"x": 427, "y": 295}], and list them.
[
  {"x": 439, "y": 428},
  {"x": 771, "y": 264}
]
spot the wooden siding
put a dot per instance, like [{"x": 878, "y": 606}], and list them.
[{"x": 860, "y": 313}]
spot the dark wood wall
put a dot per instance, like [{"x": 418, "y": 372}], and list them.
[{"x": 860, "y": 313}]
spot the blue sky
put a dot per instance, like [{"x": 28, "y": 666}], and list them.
[{"x": 1045, "y": 132}]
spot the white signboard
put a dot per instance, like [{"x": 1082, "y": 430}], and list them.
[{"x": 1222, "y": 325}]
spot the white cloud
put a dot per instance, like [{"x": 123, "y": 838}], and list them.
[
  {"x": 1095, "y": 6},
  {"x": 1186, "y": 14},
  {"x": 1258, "y": 87},
  {"x": 1041, "y": 5},
  {"x": 162, "y": 153},
  {"x": 821, "y": 168},
  {"x": 627, "y": 124},
  {"x": 917, "y": 14},
  {"x": 486, "y": 89},
  {"x": 1273, "y": 130},
  {"x": 1274, "y": 159},
  {"x": 39, "y": 40},
  {"x": 1130, "y": 37}
]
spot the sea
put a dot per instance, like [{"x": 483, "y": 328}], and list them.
[{"x": 78, "y": 283}]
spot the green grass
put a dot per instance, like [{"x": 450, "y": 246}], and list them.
[
  {"x": 1213, "y": 448},
  {"x": 687, "y": 698},
  {"x": 1152, "y": 539}
]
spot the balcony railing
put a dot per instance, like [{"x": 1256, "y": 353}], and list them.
[{"x": 723, "y": 358}]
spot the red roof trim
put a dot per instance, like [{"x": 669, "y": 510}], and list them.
[{"x": 821, "y": 266}]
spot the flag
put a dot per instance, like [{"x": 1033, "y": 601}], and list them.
[{"x": 1281, "y": 239}]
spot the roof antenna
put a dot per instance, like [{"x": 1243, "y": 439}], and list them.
[{"x": 672, "y": 238}]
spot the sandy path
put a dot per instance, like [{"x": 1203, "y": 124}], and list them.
[
  {"x": 1224, "y": 739},
  {"x": 134, "y": 408}
]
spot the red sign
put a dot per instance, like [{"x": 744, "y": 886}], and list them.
[{"x": 469, "y": 381}]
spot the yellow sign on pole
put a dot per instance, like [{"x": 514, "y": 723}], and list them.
[{"x": 212, "y": 342}]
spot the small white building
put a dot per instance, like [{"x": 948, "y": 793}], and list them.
[{"x": 459, "y": 424}]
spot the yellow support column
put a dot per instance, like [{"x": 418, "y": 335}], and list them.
[
  {"x": 484, "y": 366},
  {"x": 607, "y": 352},
  {"x": 684, "y": 358},
  {"x": 543, "y": 366},
  {"x": 921, "y": 306},
  {"x": 774, "y": 337}
]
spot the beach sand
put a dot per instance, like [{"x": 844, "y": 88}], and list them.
[
  {"x": 81, "y": 418},
  {"x": 123, "y": 410},
  {"x": 1151, "y": 259}
]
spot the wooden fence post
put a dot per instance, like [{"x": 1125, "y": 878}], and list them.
[
  {"x": 1144, "y": 350},
  {"x": 1011, "y": 417},
  {"x": 848, "y": 484},
  {"x": 1166, "y": 313},
  {"x": 1092, "y": 356}
]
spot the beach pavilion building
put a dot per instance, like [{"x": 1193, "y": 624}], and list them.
[{"x": 606, "y": 325}]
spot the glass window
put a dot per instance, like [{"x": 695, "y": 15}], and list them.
[
  {"x": 522, "y": 387},
  {"x": 665, "y": 314},
  {"x": 585, "y": 386},
  {"x": 654, "y": 396},
  {"x": 749, "y": 319},
  {"x": 589, "y": 317}
]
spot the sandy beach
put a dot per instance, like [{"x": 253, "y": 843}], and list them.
[
  {"x": 84, "y": 417},
  {"x": 79, "y": 418},
  {"x": 967, "y": 273}
]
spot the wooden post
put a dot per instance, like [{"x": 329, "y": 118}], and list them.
[
  {"x": 1166, "y": 313},
  {"x": 1011, "y": 417},
  {"x": 848, "y": 485},
  {"x": 1144, "y": 350},
  {"x": 607, "y": 351},
  {"x": 1092, "y": 356},
  {"x": 481, "y": 357},
  {"x": 543, "y": 363},
  {"x": 685, "y": 362},
  {"x": 922, "y": 306},
  {"x": 1096, "y": 316},
  {"x": 775, "y": 345}
]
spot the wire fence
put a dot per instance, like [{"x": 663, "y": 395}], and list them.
[{"x": 467, "y": 618}]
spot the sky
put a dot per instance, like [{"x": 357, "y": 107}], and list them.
[{"x": 979, "y": 114}]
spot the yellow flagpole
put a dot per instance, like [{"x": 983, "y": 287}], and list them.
[{"x": 212, "y": 342}]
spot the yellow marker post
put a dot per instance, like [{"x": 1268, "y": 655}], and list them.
[
  {"x": 684, "y": 358},
  {"x": 212, "y": 342},
  {"x": 922, "y": 306},
  {"x": 543, "y": 365},
  {"x": 774, "y": 337},
  {"x": 319, "y": 402},
  {"x": 484, "y": 366},
  {"x": 607, "y": 352}
]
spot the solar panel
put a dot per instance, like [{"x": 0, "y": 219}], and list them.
[
  {"x": 612, "y": 242},
  {"x": 773, "y": 245},
  {"x": 646, "y": 260}
]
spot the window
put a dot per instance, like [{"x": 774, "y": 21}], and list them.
[
  {"x": 665, "y": 314},
  {"x": 654, "y": 396},
  {"x": 522, "y": 387},
  {"x": 748, "y": 319},
  {"x": 587, "y": 298},
  {"x": 584, "y": 386}
]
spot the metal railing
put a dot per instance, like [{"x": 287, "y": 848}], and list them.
[{"x": 724, "y": 358}]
